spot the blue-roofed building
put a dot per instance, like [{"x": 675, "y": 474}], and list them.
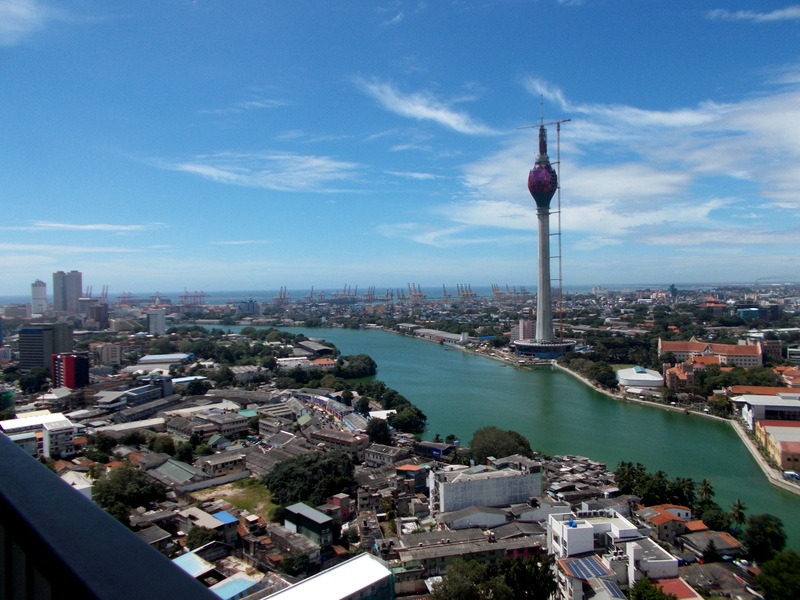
[
  {"x": 197, "y": 567},
  {"x": 236, "y": 586},
  {"x": 229, "y": 527}
]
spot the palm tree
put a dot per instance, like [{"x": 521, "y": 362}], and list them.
[
  {"x": 737, "y": 513},
  {"x": 705, "y": 491},
  {"x": 684, "y": 488}
]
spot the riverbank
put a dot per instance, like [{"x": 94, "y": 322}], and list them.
[{"x": 774, "y": 476}]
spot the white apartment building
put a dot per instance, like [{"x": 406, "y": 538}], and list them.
[{"x": 457, "y": 486}]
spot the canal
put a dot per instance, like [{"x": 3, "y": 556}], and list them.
[{"x": 461, "y": 392}]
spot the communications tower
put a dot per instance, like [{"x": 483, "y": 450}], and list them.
[{"x": 543, "y": 184}]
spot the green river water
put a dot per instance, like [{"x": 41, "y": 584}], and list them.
[{"x": 461, "y": 392}]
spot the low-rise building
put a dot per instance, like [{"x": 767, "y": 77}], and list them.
[
  {"x": 363, "y": 577},
  {"x": 218, "y": 465},
  {"x": 783, "y": 407},
  {"x": 352, "y": 443},
  {"x": 458, "y": 486},
  {"x": 378, "y": 455},
  {"x": 309, "y": 522}
]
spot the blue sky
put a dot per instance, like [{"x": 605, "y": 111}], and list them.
[{"x": 171, "y": 144}]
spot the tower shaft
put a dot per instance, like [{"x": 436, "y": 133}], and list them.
[{"x": 544, "y": 312}]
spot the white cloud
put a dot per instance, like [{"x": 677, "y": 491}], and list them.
[
  {"x": 422, "y": 106},
  {"x": 244, "y": 106},
  {"x": 240, "y": 242},
  {"x": 790, "y": 13},
  {"x": 285, "y": 172},
  {"x": 52, "y": 226},
  {"x": 413, "y": 175},
  {"x": 60, "y": 249},
  {"x": 19, "y": 18}
]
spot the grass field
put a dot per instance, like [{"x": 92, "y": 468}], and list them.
[{"x": 247, "y": 494}]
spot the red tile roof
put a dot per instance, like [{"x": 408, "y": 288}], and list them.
[
  {"x": 678, "y": 587},
  {"x": 696, "y": 525},
  {"x": 763, "y": 390}
]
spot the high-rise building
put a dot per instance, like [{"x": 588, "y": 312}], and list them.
[
  {"x": 70, "y": 370},
  {"x": 38, "y": 343},
  {"x": 98, "y": 313},
  {"x": 38, "y": 297},
  {"x": 157, "y": 321},
  {"x": 67, "y": 289}
]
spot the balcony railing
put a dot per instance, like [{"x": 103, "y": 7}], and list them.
[{"x": 55, "y": 544}]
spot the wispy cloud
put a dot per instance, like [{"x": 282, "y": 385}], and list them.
[
  {"x": 106, "y": 227},
  {"x": 414, "y": 175},
  {"x": 445, "y": 237},
  {"x": 64, "y": 249},
  {"x": 422, "y": 106},
  {"x": 790, "y": 13},
  {"x": 239, "y": 242},
  {"x": 279, "y": 171},
  {"x": 244, "y": 106},
  {"x": 20, "y": 18}
]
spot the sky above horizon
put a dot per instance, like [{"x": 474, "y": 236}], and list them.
[{"x": 202, "y": 145}]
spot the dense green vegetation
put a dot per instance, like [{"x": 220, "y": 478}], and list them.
[
  {"x": 312, "y": 477},
  {"x": 510, "y": 579},
  {"x": 124, "y": 488},
  {"x": 493, "y": 441},
  {"x": 762, "y": 536}
]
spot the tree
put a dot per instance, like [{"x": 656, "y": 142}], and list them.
[
  {"x": 531, "y": 578},
  {"x": 514, "y": 579},
  {"x": 737, "y": 513},
  {"x": 126, "y": 485},
  {"x": 184, "y": 452},
  {"x": 162, "y": 444},
  {"x": 378, "y": 431},
  {"x": 133, "y": 438},
  {"x": 764, "y": 536},
  {"x": 198, "y": 387},
  {"x": 310, "y": 477},
  {"x": 410, "y": 420},
  {"x": 716, "y": 518},
  {"x": 780, "y": 577},
  {"x": 493, "y": 441},
  {"x": 103, "y": 442},
  {"x": 362, "y": 405},
  {"x": 199, "y": 536},
  {"x": 645, "y": 590},
  {"x": 705, "y": 491},
  {"x": 710, "y": 554},
  {"x": 467, "y": 580},
  {"x": 34, "y": 381}
]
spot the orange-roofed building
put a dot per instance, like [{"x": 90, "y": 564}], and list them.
[
  {"x": 665, "y": 521},
  {"x": 679, "y": 588},
  {"x": 761, "y": 390},
  {"x": 696, "y": 525},
  {"x": 728, "y": 354}
]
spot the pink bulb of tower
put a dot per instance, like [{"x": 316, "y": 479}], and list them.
[{"x": 542, "y": 183}]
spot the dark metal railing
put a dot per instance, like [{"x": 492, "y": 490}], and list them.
[{"x": 55, "y": 544}]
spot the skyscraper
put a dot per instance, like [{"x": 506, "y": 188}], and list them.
[
  {"x": 38, "y": 343},
  {"x": 67, "y": 288},
  {"x": 157, "y": 321},
  {"x": 38, "y": 297}
]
